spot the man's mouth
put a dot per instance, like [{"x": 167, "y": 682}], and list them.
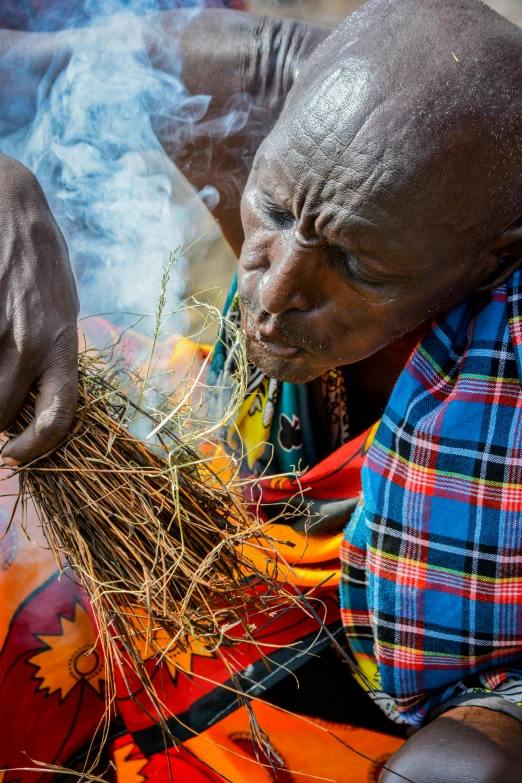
[{"x": 277, "y": 348}]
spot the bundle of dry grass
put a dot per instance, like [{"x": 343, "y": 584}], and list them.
[{"x": 153, "y": 533}]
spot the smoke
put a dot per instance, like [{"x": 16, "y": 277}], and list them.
[{"x": 120, "y": 202}]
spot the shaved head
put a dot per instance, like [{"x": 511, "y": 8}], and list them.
[
  {"x": 419, "y": 87},
  {"x": 390, "y": 188}
]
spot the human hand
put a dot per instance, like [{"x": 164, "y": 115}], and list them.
[{"x": 38, "y": 316}]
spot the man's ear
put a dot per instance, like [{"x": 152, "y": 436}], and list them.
[{"x": 506, "y": 257}]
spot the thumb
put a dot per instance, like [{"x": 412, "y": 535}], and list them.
[{"x": 56, "y": 402}]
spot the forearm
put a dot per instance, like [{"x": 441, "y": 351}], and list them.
[
  {"x": 247, "y": 63},
  {"x": 224, "y": 53},
  {"x": 24, "y": 60}
]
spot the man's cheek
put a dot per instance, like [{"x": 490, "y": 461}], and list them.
[
  {"x": 256, "y": 250},
  {"x": 248, "y": 287}
]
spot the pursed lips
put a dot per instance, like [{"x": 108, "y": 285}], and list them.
[{"x": 277, "y": 348}]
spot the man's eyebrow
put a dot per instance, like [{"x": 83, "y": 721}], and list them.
[{"x": 267, "y": 193}]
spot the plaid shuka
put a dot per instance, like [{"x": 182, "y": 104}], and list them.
[{"x": 432, "y": 560}]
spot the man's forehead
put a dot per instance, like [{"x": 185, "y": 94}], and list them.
[
  {"x": 353, "y": 131},
  {"x": 397, "y": 65},
  {"x": 365, "y": 197},
  {"x": 323, "y": 121},
  {"x": 339, "y": 161}
]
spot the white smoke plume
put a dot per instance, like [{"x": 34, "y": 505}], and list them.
[{"x": 120, "y": 202}]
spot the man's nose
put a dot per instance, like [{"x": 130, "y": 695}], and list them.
[{"x": 288, "y": 282}]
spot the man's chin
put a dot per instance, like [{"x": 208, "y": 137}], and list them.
[{"x": 299, "y": 369}]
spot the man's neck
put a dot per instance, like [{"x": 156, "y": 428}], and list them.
[{"x": 370, "y": 382}]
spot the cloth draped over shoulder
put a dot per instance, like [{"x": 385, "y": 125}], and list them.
[
  {"x": 432, "y": 562},
  {"x": 431, "y": 583}
]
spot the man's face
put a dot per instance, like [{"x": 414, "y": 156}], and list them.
[{"x": 335, "y": 266}]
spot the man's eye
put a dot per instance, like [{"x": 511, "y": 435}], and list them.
[
  {"x": 350, "y": 263},
  {"x": 279, "y": 216}
]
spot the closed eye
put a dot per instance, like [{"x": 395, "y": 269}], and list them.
[
  {"x": 278, "y": 215},
  {"x": 352, "y": 265}
]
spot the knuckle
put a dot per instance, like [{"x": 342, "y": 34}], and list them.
[
  {"x": 51, "y": 426},
  {"x": 54, "y": 420},
  {"x": 61, "y": 395},
  {"x": 64, "y": 359}
]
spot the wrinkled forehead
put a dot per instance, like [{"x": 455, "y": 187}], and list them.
[
  {"x": 353, "y": 148},
  {"x": 317, "y": 133},
  {"x": 338, "y": 153}
]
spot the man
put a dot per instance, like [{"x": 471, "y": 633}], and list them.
[{"x": 388, "y": 193}]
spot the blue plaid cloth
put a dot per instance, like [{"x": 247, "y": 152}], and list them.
[{"x": 432, "y": 562}]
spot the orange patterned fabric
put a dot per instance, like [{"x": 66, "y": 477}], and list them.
[
  {"x": 311, "y": 751},
  {"x": 52, "y": 696}
]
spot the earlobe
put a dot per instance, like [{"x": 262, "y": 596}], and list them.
[{"x": 508, "y": 253}]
